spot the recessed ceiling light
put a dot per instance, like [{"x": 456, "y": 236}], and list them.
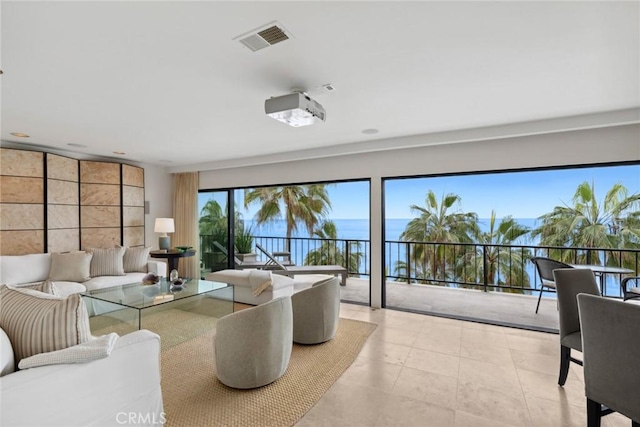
[
  {"x": 20, "y": 134},
  {"x": 370, "y": 131},
  {"x": 120, "y": 153},
  {"x": 73, "y": 144}
]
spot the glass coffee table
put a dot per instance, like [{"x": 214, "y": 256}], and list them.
[{"x": 175, "y": 315}]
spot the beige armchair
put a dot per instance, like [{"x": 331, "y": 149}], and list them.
[
  {"x": 316, "y": 312},
  {"x": 253, "y": 346}
]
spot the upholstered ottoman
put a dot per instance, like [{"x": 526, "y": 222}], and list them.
[{"x": 254, "y": 286}]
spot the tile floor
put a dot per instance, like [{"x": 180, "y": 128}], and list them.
[{"x": 418, "y": 370}]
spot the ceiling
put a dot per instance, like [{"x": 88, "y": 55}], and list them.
[{"x": 167, "y": 84}]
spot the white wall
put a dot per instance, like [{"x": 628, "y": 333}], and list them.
[
  {"x": 601, "y": 145},
  {"x": 157, "y": 191}
]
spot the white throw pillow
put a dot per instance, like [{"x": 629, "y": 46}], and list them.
[
  {"x": 38, "y": 323},
  {"x": 15, "y": 269},
  {"x": 107, "y": 262},
  {"x": 48, "y": 287},
  {"x": 135, "y": 259},
  {"x": 94, "y": 349},
  {"x": 70, "y": 267}
]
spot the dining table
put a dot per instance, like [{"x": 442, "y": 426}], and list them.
[{"x": 600, "y": 271}]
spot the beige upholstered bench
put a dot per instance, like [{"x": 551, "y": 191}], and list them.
[{"x": 250, "y": 285}]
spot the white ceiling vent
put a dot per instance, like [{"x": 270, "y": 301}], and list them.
[{"x": 265, "y": 36}]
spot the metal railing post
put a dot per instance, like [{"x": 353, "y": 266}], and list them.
[{"x": 484, "y": 267}]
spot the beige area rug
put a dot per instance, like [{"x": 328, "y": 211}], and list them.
[{"x": 193, "y": 396}]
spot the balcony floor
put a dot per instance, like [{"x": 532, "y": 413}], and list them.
[{"x": 489, "y": 307}]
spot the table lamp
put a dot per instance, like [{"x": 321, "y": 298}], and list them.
[{"x": 164, "y": 226}]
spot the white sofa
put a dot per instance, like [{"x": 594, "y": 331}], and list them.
[
  {"x": 243, "y": 285},
  {"x": 24, "y": 269},
  {"x": 121, "y": 389}
]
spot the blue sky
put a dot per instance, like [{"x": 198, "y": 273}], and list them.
[{"x": 519, "y": 194}]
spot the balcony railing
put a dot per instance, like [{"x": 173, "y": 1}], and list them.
[
  {"x": 503, "y": 268},
  {"x": 506, "y": 268}
]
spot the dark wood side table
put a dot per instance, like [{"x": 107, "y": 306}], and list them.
[{"x": 173, "y": 257}]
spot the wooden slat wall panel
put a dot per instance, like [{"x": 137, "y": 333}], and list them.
[
  {"x": 22, "y": 199},
  {"x": 100, "y": 237},
  {"x": 21, "y": 242},
  {"x": 134, "y": 236},
  {"x": 132, "y": 196},
  {"x": 62, "y": 168},
  {"x": 100, "y": 217},
  {"x": 22, "y": 163},
  {"x": 17, "y": 189},
  {"x": 133, "y": 176},
  {"x": 100, "y": 195},
  {"x": 78, "y": 204},
  {"x": 62, "y": 192},
  {"x": 64, "y": 216},
  {"x": 133, "y": 205},
  {"x": 63, "y": 203},
  {"x": 100, "y": 201},
  {"x": 133, "y": 216},
  {"x": 63, "y": 240},
  {"x": 99, "y": 172},
  {"x": 18, "y": 216}
]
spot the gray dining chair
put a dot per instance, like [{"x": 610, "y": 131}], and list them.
[
  {"x": 569, "y": 283},
  {"x": 611, "y": 351},
  {"x": 545, "y": 267}
]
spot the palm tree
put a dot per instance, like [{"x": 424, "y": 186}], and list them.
[
  {"x": 436, "y": 223},
  {"x": 213, "y": 224},
  {"x": 498, "y": 262},
  {"x": 305, "y": 204},
  {"x": 613, "y": 223},
  {"x": 330, "y": 252}
]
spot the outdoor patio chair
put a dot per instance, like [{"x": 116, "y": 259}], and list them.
[
  {"x": 569, "y": 283},
  {"x": 545, "y": 267},
  {"x": 628, "y": 291},
  {"x": 278, "y": 268},
  {"x": 241, "y": 265},
  {"x": 610, "y": 381}
]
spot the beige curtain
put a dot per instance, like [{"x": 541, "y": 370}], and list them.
[{"x": 185, "y": 215}]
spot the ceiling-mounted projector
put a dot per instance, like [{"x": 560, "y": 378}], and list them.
[{"x": 295, "y": 109}]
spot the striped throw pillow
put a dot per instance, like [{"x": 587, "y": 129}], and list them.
[
  {"x": 107, "y": 262},
  {"x": 135, "y": 259},
  {"x": 36, "y": 322}
]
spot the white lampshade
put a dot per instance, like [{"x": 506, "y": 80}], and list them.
[{"x": 164, "y": 225}]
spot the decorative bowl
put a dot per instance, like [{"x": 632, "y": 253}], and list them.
[
  {"x": 183, "y": 248},
  {"x": 177, "y": 285},
  {"x": 150, "y": 279}
]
